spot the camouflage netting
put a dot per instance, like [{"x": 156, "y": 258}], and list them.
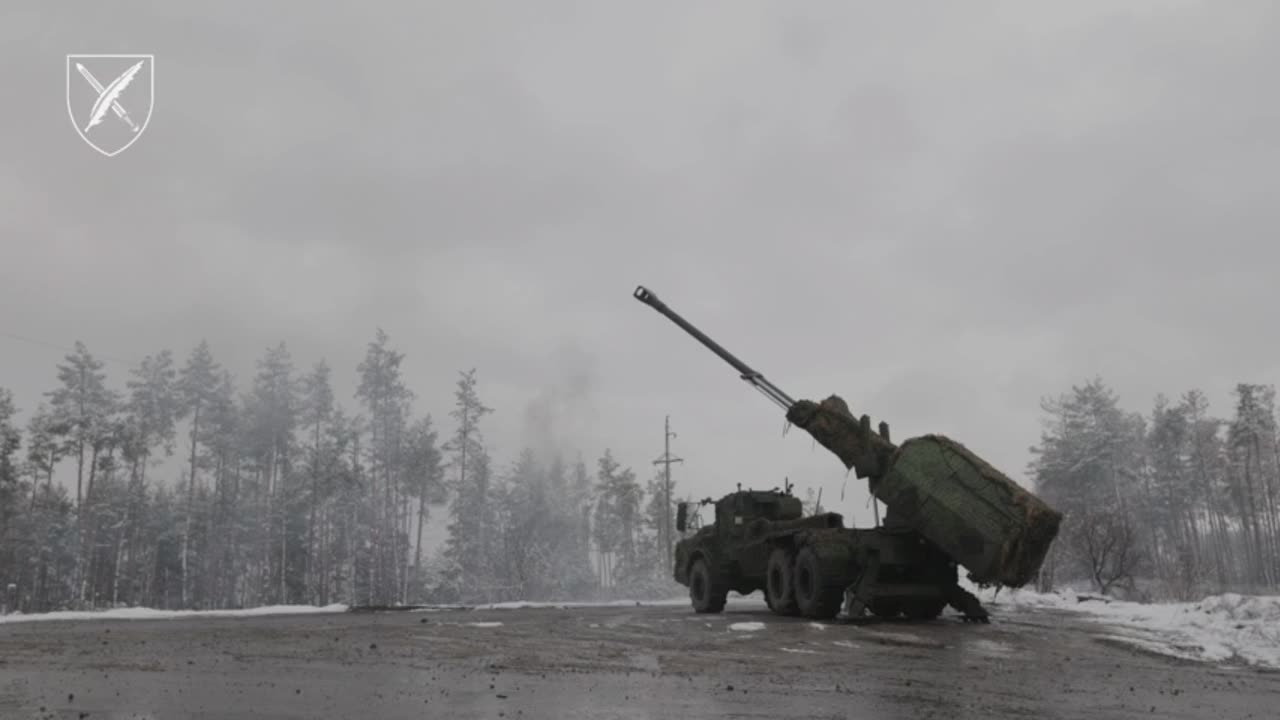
[
  {"x": 836, "y": 429},
  {"x": 985, "y": 521},
  {"x": 997, "y": 530}
]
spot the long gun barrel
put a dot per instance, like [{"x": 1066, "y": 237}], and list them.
[{"x": 756, "y": 380}]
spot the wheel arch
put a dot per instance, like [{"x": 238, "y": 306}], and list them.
[{"x": 700, "y": 553}]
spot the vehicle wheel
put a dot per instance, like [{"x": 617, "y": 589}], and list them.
[
  {"x": 780, "y": 583},
  {"x": 818, "y": 594},
  {"x": 706, "y": 590},
  {"x": 924, "y": 608},
  {"x": 887, "y": 609}
]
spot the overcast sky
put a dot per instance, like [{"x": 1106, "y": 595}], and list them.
[{"x": 940, "y": 211}]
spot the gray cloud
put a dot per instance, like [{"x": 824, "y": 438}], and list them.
[{"x": 940, "y": 212}]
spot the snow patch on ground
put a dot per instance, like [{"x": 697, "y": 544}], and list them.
[
  {"x": 572, "y": 605},
  {"x": 751, "y": 600},
  {"x": 484, "y": 624},
  {"x": 150, "y": 614},
  {"x": 817, "y": 626},
  {"x": 747, "y": 626},
  {"x": 799, "y": 651},
  {"x": 1219, "y": 628},
  {"x": 991, "y": 648}
]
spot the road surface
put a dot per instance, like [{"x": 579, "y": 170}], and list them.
[{"x": 601, "y": 663}]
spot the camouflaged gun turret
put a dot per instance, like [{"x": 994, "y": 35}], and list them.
[{"x": 945, "y": 507}]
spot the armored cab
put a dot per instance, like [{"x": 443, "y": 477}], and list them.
[{"x": 731, "y": 546}]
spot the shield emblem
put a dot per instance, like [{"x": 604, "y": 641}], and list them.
[{"x": 109, "y": 99}]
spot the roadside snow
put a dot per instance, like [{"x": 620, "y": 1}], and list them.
[
  {"x": 149, "y": 614},
  {"x": 484, "y": 624},
  {"x": 569, "y": 605},
  {"x": 1219, "y": 628},
  {"x": 992, "y": 648},
  {"x": 734, "y": 600},
  {"x": 747, "y": 626}
]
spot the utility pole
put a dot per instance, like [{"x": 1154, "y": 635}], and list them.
[{"x": 665, "y": 528}]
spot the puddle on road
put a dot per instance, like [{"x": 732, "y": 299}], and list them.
[{"x": 907, "y": 639}]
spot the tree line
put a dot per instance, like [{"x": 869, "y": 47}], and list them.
[
  {"x": 1177, "y": 503},
  {"x": 285, "y": 496}
]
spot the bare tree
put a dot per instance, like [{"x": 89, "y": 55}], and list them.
[{"x": 1105, "y": 541}]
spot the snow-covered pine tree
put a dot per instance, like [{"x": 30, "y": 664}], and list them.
[
  {"x": 197, "y": 384},
  {"x": 317, "y": 405},
  {"x": 83, "y": 406},
  {"x": 1251, "y": 443},
  {"x": 11, "y": 490},
  {"x": 387, "y": 401},
  {"x": 468, "y": 544},
  {"x": 424, "y": 480}
]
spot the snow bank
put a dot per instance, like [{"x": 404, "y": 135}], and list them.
[
  {"x": 1230, "y": 627},
  {"x": 150, "y": 614},
  {"x": 1219, "y": 628},
  {"x": 747, "y": 626}
]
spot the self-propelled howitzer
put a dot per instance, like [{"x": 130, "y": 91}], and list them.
[{"x": 938, "y": 493}]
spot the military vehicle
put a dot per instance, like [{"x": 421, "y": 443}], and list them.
[
  {"x": 945, "y": 507},
  {"x": 804, "y": 565}
]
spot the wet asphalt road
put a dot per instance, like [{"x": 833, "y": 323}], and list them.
[{"x": 600, "y": 663}]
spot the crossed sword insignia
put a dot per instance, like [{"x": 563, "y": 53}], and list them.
[{"x": 115, "y": 104}]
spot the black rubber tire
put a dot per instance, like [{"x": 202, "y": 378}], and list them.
[
  {"x": 923, "y": 608},
  {"x": 780, "y": 583},
  {"x": 707, "y": 590},
  {"x": 817, "y": 595}
]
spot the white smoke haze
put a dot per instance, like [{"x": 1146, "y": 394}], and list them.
[{"x": 558, "y": 421}]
